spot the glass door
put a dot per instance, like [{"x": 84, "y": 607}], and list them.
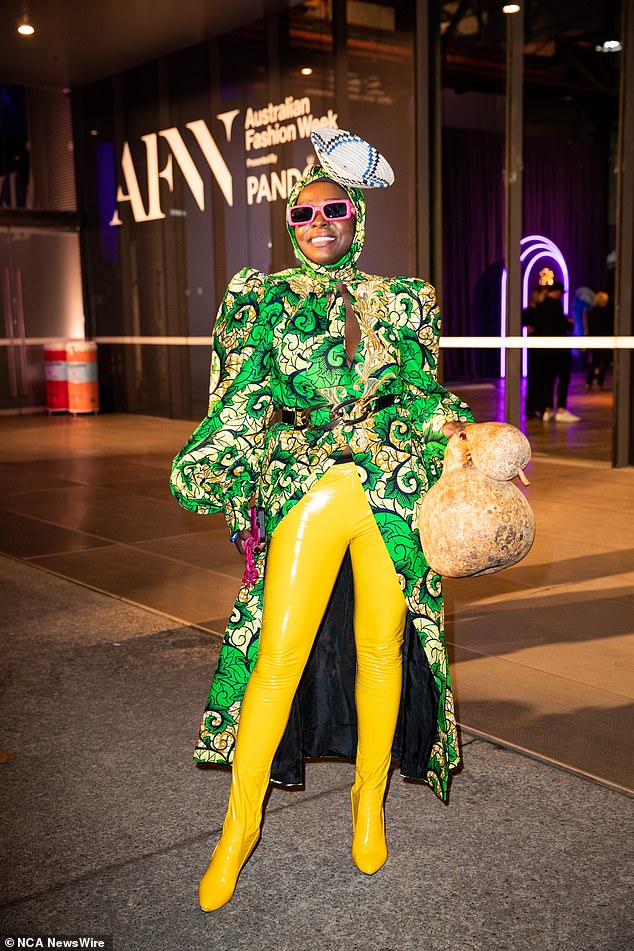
[
  {"x": 40, "y": 300},
  {"x": 14, "y": 389}
]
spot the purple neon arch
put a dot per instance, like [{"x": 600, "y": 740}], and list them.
[{"x": 541, "y": 248}]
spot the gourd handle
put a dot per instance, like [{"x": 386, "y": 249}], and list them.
[{"x": 458, "y": 453}]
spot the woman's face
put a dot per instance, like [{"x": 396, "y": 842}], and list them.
[{"x": 324, "y": 241}]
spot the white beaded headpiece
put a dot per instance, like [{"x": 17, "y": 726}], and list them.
[{"x": 351, "y": 160}]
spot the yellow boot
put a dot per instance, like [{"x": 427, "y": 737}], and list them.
[
  {"x": 302, "y": 564},
  {"x": 249, "y": 783},
  {"x": 377, "y": 709},
  {"x": 240, "y": 835},
  {"x": 369, "y": 847},
  {"x": 379, "y": 618}
]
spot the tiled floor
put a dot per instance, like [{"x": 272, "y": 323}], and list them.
[
  {"x": 542, "y": 653},
  {"x": 591, "y": 438}
]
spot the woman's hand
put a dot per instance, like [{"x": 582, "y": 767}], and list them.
[
  {"x": 455, "y": 428},
  {"x": 241, "y": 539}
]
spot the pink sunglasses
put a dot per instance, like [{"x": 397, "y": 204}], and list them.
[{"x": 338, "y": 209}]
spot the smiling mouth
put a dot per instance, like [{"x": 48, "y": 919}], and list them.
[{"x": 322, "y": 240}]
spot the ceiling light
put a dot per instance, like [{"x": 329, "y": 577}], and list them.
[
  {"x": 25, "y": 28},
  {"x": 306, "y": 71},
  {"x": 511, "y": 8},
  {"x": 610, "y": 46}
]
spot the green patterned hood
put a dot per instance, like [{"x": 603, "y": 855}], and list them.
[{"x": 346, "y": 265}]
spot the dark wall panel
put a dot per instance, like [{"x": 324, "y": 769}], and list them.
[{"x": 203, "y": 147}]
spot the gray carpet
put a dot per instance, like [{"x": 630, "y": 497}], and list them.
[{"x": 108, "y": 824}]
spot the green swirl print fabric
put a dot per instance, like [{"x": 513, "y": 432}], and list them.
[{"x": 279, "y": 341}]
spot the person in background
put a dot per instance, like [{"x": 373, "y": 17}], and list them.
[
  {"x": 584, "y": 300},
  {"x": 598, "y": 322},
  {"x": 533, "y": 403},
  {"x": 553, "y": 322}
]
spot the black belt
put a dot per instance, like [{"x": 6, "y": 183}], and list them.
[{"x": 301, "y": 418}]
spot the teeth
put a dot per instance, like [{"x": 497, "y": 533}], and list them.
[{"x": 323, "y": 240}]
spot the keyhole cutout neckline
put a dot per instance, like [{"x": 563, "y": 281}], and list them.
[{"x": 352, "y": 332}]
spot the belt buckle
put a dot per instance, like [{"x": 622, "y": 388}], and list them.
[
  {"x": 303, "y": 417},
  {"x": 337, "y": 411}
]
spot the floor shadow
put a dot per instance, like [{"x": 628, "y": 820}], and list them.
[
  {"x": 574, "y": 570},
  {"x": 596, "y": 740},
  {"x": 545, "y": 619}
]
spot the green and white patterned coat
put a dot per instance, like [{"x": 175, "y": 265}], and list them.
[{"x": 279, "y": 341}]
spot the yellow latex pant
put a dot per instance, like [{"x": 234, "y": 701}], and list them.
[{"x": 304, "y": 557}]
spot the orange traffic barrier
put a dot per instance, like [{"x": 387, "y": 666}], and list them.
[
  {"x": 56, "y": 377},
  {"x": 83, "y": 388}
]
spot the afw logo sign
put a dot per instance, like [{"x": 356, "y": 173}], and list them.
[
  {"x": 274, "y": 125},
  {"x": 130, "y": 190}
]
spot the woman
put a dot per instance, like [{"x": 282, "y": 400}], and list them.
[
  {"x": 534, "y": 376},
  {"x": 349, "y": 360}
]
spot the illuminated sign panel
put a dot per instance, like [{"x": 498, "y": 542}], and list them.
[{"x": 272, "y": 125}]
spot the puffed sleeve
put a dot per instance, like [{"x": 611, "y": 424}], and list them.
[
  {"x": 432, "y": 405},
  {"x": 217, "y": 469}
]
